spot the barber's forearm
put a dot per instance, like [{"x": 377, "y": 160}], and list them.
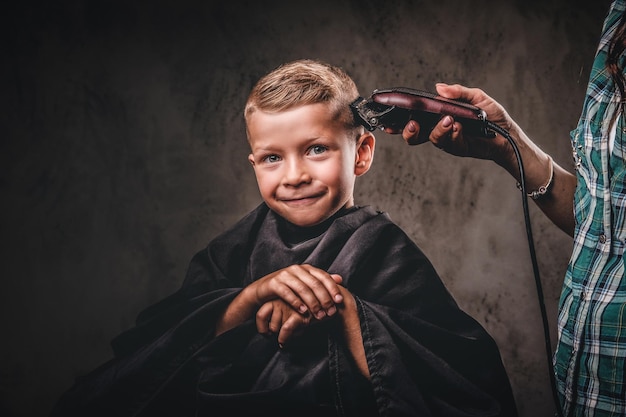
[{"x": 558, "y": 202}]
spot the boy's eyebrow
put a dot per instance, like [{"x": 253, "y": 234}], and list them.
[
  {"x": 263, "y": 149},
  {"x": 272, "y": 147}
]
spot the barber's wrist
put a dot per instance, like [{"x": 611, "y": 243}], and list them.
[
  {"x": 506, "y": 157},
  {"x": 537, "y": 190},
  {"x": 536, "y": 162}
]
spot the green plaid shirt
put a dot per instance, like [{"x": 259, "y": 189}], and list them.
[{"x": 590, "y": 358}]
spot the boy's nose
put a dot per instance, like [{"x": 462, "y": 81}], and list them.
[{"x": 296, "y": 174}]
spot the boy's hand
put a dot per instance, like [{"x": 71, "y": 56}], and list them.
[
  {"x": 278, "y": 317},
  {"x": 303, "y": 287}
]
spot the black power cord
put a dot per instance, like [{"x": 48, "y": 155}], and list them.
[
  {"x": 533, "y": 257},
  {"x": 393, "y": 107}
]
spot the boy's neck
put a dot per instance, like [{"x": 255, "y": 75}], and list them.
[{"x": 293, "y": 233}]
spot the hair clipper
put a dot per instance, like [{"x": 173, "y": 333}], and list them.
[{"x": 394, "y": 107}]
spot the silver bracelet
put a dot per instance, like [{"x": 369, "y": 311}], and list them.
[{"x": 544, "y": 188}]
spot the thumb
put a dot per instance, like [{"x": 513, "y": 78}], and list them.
[
  {"x": 461, "y": 93},
  {"x": 454, "y": 92}
]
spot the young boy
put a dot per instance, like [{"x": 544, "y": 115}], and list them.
[{"x": 309, "y": 305}]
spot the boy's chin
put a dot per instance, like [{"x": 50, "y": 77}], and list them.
[
  {"x": 307, "y": 215},
  {"x": 304, "y": 222},
  {"x": 304, "y": 219}
]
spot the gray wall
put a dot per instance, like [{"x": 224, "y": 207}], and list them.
[{"x": 123, "y": 153}]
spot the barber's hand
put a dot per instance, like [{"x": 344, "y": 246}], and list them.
[{"x": 448, "y": 133}]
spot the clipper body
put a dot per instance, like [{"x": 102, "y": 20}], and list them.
[{"x": 394, "y": 107}]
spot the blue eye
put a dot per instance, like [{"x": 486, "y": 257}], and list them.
[
  {"x": 271, "y": 158},
  {"x": 317, "y": 149}
]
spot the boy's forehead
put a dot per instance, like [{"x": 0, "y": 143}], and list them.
[
  {"x": 304, "y": 107},
  {"x": 318, "y": 113},
  {"x": 323, "y": 112},
  {"x": 304, "y": 123}
]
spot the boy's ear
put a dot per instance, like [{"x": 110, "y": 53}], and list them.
[
  {"x": 364, "y": 153},
  {"x": 251, "y": 159}
]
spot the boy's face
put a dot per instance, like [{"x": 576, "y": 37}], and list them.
[{"x": 305, "y": 162}]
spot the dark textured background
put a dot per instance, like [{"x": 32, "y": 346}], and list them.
[{"x": 122, "y": 153}]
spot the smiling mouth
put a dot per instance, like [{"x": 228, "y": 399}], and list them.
[{"x": 301, "y": 201}]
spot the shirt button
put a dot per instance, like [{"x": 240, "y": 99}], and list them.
[{"x": 602, "y": 238}]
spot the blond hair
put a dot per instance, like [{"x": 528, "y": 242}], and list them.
[{"x": 304, "y": 82}]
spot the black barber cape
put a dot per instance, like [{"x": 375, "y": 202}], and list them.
[{"x": 426, "y": 356}]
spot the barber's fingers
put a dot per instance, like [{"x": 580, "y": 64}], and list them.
[
  {"x": 459, "y": 92},
  {"x": 412, "y": 133},
  {"x": 441, "y": 134},
  {"x": 495, "y": 112}
]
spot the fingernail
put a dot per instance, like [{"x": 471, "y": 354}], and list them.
[
  {"x": 331, "y": 311},
  {"x": 280, "y": 346},
  {"x": 338, "y": 298},
  {"x": 320, "y": 314},
  {"x": 302, "y": 309},
  {"x": 411, "y": 127},
  {"x": 447, "y": 121}
]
